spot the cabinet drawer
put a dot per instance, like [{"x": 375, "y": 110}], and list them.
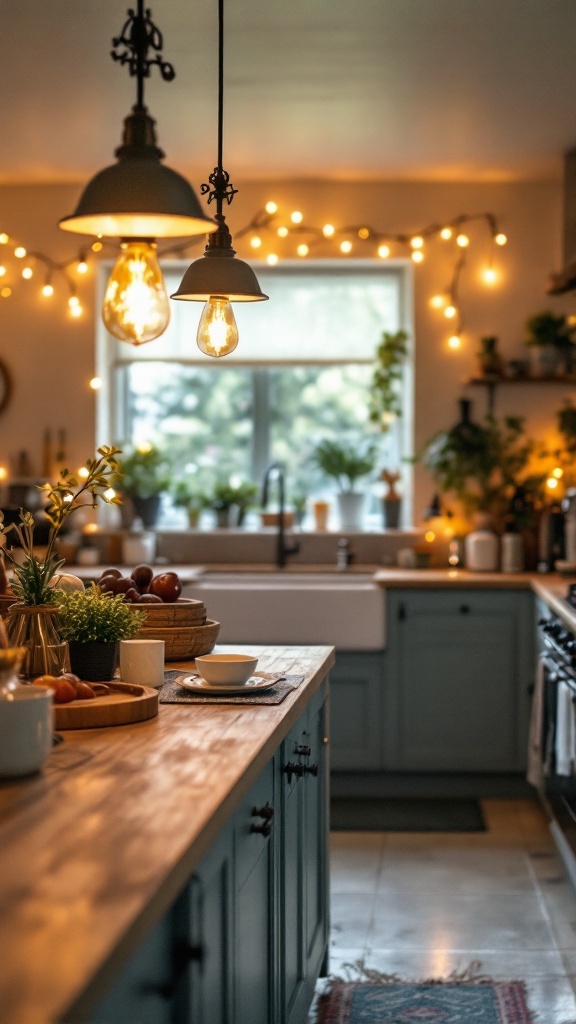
[{"x": 250, "y": 844}]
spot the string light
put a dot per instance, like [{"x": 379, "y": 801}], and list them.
[
  {"x": 96, "y": 383},
  {"x": 27, "y": 273},
  {"x": 558, "y": 472},
  {"x": 265, "y": 224}
]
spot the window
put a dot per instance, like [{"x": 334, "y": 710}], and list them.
[{"x": 301, "y": 372}]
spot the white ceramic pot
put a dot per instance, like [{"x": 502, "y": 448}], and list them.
[
  {"x": 351, "y": 510},
  {"x": 482, "y": 551}
]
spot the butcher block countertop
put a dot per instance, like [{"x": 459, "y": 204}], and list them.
[{"x": 96, "y": 848}]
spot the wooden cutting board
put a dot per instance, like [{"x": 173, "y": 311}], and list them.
[{"x": 126, "y": 702}]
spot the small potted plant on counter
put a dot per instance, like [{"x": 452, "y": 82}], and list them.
[
  {"x": 347, "y": 462},
  {"x": 186, "y": 495},
  {"x": 93, "y": 623}
]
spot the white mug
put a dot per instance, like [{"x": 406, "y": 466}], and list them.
[
  {"x": 142, "y": 661},
  {"x": 26, "y": 730}
]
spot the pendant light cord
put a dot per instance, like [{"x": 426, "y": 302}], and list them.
[{"x": 220, "y": 90}]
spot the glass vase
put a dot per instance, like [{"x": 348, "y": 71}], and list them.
[{"x": 35, "y": 628}]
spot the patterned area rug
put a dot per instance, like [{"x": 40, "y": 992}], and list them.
[{"x": 465, "y": 997}]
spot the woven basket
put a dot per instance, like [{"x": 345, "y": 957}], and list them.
[
  {"x": 183, "y": 642},
  {"x": 184, "y": 612}
]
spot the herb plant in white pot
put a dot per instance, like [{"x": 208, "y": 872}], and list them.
[{"x": 347, "y": 462}]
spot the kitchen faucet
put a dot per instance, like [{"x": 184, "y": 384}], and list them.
[{"x": 276, "y": 470}]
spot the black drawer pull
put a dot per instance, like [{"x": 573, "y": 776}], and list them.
[
  {"x": 183, "y": 954},
  {"x": 303, "y": 751},
  {"x": 292, "y": 768},
  {"x": 265, "y": 812},
  {"x": 464, "y": 609},
  {"x": 312, "y": 769},
  {"x": 262, "y": 830}
]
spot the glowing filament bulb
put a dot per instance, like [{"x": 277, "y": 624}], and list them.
[
  {"x": 27, "y": 273},
  {"x": 558, "y": 472},
  {"x": 446, "y": 233},
  {"x": 296, "y": 217},
  {"x": 437, "y": 301},
  {"x": 271, "y": 207},
  {"x": 82, "y": 267},
  {"x": 136, "y": 308},
  {"x": 302, "y": 250},
  {"x": 328, "y": 230},
  {"x": 48, "y": 290},
  {"x": 96, "y": 383},
  {"x": 552, "y": 483},
  {"x": 272, "y": 259},
  {"x": 462, "y": 240},
  {"x": 346, "y": 247},
  {"x": 383, "y": 251},
  {"x": 19, "y": 252},
  {"x": 96, "y": 246},
  {"x": 4, "y": 238},
  {"x": 500, "y": 238},
  {"x": 256, "y": 242},
  {"x": 364, "y": 233},
  {"x": 2, "y": 271},
  {"x": 109, "y": 493},
  {"x": 450, "y": 312},
  {"x": 417, "y": 256},
  {"x": 282, "y": 232},
  {"x": 83, "y": 473},
  {"x": 489, "y": 275},
  {"x": 6, "y": 292},
  {"x": 417, "y": 242},
  {"x": 454, "y": 341},
  {"x": 217, "y": 331}
]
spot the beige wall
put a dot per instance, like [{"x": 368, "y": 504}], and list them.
[{"x": 51, "y": 356}]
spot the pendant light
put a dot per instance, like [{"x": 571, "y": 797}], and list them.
[
  {"x": 217, "y": 278},
  {"x": 138, "y": 199}
]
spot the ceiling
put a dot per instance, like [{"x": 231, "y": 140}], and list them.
[{"x": 480, "y": 90}]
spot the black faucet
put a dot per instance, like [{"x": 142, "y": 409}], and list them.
[{"x": 276, "y": 470}]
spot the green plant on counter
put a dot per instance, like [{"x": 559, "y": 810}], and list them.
[
  {"x": 245, "y": 497},
  {"x": 346, "y": 462},
  {"x": 384, "y": 401},
  {"x": 144, "y": 473},
  {"x": 90, "y": 615},
  {"x": 185, "y": 494},
  {"x": 32, "y": 578}
]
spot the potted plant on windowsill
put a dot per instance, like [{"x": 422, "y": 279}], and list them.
[
  {"x": 143, "y": 476},
  {"x": 347, "y": 462},
  {"x": 93, "y": 623},
  {"x": 33, "y": 619},
  {"x": 185, "y": 495}
]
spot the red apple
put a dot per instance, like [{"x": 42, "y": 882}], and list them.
[
  {"x": 142, "y": 576},
  {"x": 167, "y": 586}
]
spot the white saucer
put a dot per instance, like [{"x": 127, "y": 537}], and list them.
[{"x": 256, "y": 683}]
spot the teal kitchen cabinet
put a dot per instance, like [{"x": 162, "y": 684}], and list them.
[
  {"x": 356, "y": 699},
  {"x": 460, "y": 665},
  {"x": 304, "y": 861}
]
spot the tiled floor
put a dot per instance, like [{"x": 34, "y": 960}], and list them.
[{"x": 424, "y": 904}]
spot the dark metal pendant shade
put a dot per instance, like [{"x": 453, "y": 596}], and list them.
[
  {"x": 218, "y": 272},
  {"x": 138, "y": 197}
]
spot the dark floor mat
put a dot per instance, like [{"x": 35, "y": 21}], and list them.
[{"x": 362, "y": 814}]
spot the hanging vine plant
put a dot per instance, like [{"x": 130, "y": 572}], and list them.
[{"x": 385, "y": 398}]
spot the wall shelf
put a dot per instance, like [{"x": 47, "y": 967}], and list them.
[{"x": 492, "y": 382}]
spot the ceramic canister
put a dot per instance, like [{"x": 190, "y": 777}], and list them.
[{"x": 482, "y": 550}]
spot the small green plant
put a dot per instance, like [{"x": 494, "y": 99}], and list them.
[
  {"x": 546, "y": 329},
  {"x": 186, "y": 495},
  {"x": 32, "y": 579},
  {"x": 90, "y": 615},
  {"x": 144, "y": 473},
  {"x": 345, "y": 462},
  {"x": 385, "y": 399}
]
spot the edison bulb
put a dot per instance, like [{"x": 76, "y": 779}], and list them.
[
  {"x": 136, "y": 307},
  {"x": 217, "y": 331}
]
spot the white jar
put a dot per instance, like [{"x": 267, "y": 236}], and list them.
[
  {"x": 512, "y": 552},
  {"x": 482, "y": 550}
]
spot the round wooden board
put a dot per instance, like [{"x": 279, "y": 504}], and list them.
[{"x": 125, "y": 703}]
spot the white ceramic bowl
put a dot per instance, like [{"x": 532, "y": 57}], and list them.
[{"x": 226, "y": 669}]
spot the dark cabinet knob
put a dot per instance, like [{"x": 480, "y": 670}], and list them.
[
  {"x": 183, "y": 954},
  {"x": 261, "y": 830},
  {"x": 312, "y": 769},
  {"x": 464, "y": 609},
  {"x": 293, "y": 768},
  {"x": 266, "y": 812},
  {"x": 303, "y": 751}
]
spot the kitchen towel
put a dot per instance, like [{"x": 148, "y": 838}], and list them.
[
  {"x": 171, "y": 693},
  {"x": 565, "y": 731},
  {"x": 535, "y": 747}
]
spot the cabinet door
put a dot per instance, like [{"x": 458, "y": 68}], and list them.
[
  {"x": 149, "y": 987},
  {"x": 461, "y": 665},
  {"x": 255, "y": 962},
  {"x": 355, "y": 711},
  {"x": 211, "y": 893},
  {"x": 304, "y": 871}
]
